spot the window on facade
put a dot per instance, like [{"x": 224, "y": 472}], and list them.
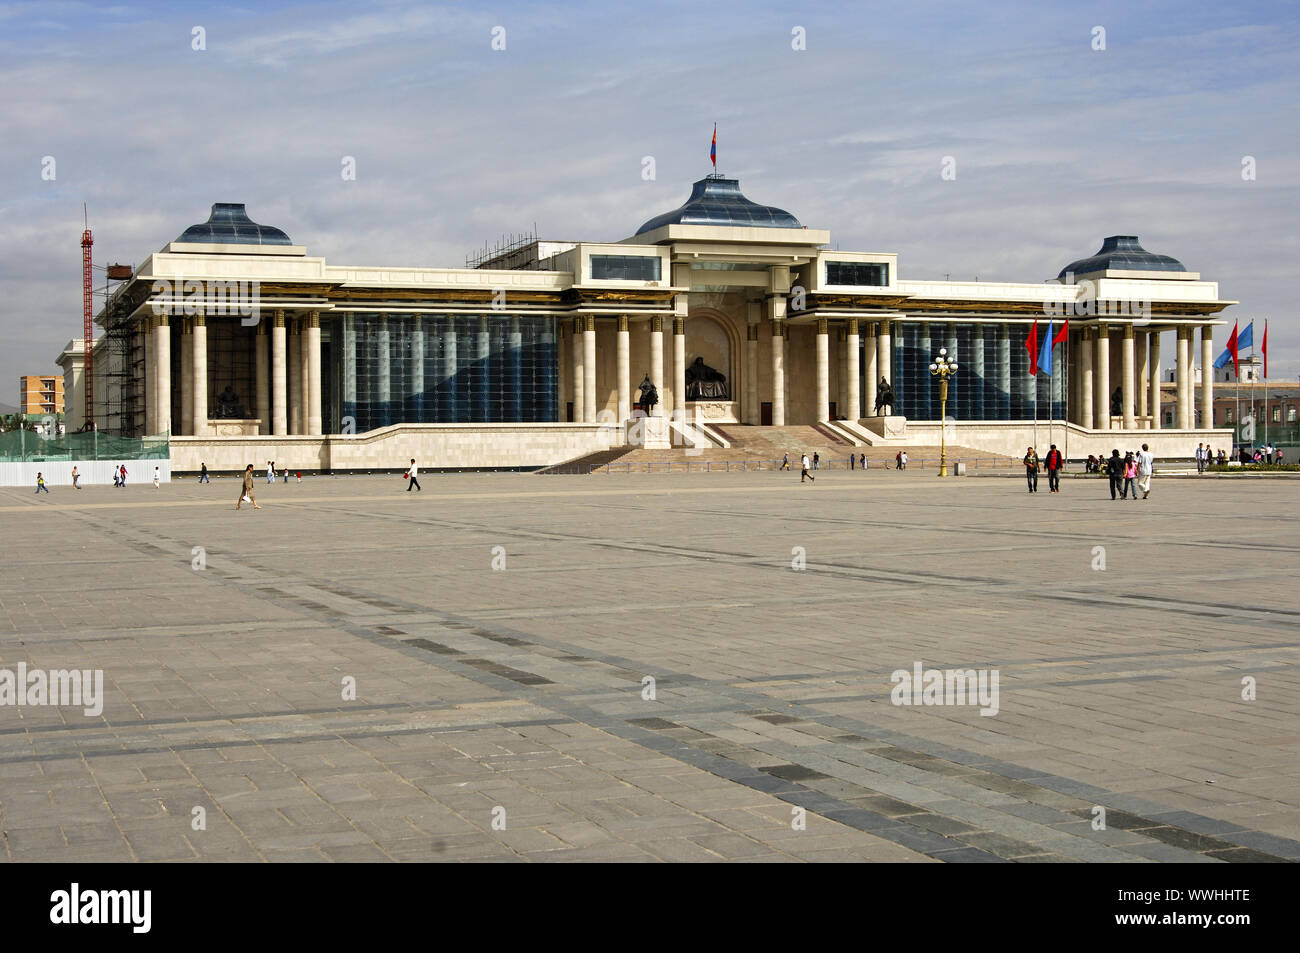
[
  {"x": 871, "y": 273},
  {"x": 625, "y": 267},
  {"x": 1277, "y": 415},
  {"x": 1229, "y": 415},
  {"x": 1290, "y": 415}
]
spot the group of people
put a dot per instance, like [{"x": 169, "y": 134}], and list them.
[
  {"x": 1205, "y": 457},
  {"x": 1262, "y": 455},
  {"x": 119, "y": 478},
  {"x": 1128, "y": 474},
  {"x": 807, "y": 465}
]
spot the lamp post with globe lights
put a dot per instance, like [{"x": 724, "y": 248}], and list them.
[{"x": 943, "y": 368}]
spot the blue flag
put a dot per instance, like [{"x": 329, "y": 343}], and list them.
[
  {"x": 1045, "y": 354},
  {"x": 1247, "y": 337}
]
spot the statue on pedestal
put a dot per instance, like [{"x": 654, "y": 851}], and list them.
[
  {"x": 884, "y": 396},
  {"x": 228, "y": 405},
  {"x": 705, "y": 383},
  {"x": 649, "y": 396}
]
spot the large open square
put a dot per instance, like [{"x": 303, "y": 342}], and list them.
[{"x": 654, "y": 667}]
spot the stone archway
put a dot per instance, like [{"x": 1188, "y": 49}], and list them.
[{"x": 714, "y": 336}]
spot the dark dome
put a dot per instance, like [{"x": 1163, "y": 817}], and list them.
[
  {"x": 717, "y": 201},
  {"x": 229, "y": 224},
  {"x": 1122, "y": 253}
]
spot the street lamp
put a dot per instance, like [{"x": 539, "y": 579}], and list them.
[{"x": 943, "y": 368}]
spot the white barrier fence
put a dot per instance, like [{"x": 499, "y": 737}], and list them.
[{"x": 91, "y": 472}]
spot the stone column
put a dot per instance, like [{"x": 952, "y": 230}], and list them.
[
  {"x": 304, "y": 368},
  {"x": 778, "y": 373},
  {"x": 657, "y": 356},
  {"x": 293, "y": 374},
  {"x": 679, "y": 367},
  {"x": 842, "y": 370},
  {"x": 851, "y": 371},
  {"x": 199, "y": 377},
  {"x": 589, "y": 369},
  {"x": 823, "y": 373},
  {"x": 624, "y": 371},
  {"x": 579, "y": 375},
  {"x": 1143, "y": 383},
  {"x": 884, "y": 360},
  {"x": 312, "y": 344},
  {"x": 1207, "y": 376},
  {"x": 749, "y": 413},
  {"x": 1129, "y": 386},
  {"x": 163, "y": 365},
  {"x": 870, "y": 373},
  {"x": 263, "y": 377},
  {"x": 482, "y": 385},
  {"x": 150, "y": 375},
  {"x": 348, "y": 373},
  {"x": 1101, "y": 375},
  {"x": 1153, "y": 359},
  {"x": 279, "y": 368},
  {"x": 186, "y": 424},
  {"x": 1184, "y": 378},
  {"x": 1087, "y": 384}
]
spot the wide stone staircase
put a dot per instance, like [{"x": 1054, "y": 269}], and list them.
[{"x": 762, "y": 448}]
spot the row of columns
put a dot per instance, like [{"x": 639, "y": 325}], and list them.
[
  {"x": 1140, "y": 378},
  {"x": 287, "y": 376}
]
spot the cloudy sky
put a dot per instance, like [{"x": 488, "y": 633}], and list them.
[{"x": 1055, "y": 144}]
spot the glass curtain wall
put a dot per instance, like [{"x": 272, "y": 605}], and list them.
[
  {"x": 993, "y": 381},
  {"x": 441, "y": 368}
]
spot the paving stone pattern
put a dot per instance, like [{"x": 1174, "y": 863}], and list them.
[{"x": 500, "y": 714}]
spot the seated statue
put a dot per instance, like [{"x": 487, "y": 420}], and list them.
[
  {"x": 649, "y": 396},
  {"x": 705, "y": 383},
  {"x": 1117, "y": 402},
  {"x": 884, "y": 396},
  {"x": 228, "y": 405}
]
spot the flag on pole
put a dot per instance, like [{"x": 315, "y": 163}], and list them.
[
  {"x": 1229, "y": 352},
  {"x": 1247, "y": 338},
  {"x": 1264, "y": 349},
  {"x": 713, "y": 149},
  {"x": 1050, "y": 340},
  {"x": 1032, "y": 345}
]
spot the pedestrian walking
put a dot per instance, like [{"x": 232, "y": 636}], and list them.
[
  {"x": 76, "y": 479},
  {"x": 246, "y": 493},
  {"x": 1031, "y": 469},
  {"x": 904, "y": 459},
  {"x": 1200, "y": 458},
  {"x": 817, "y": 459},
  {"x": 1054, "y": 462},
  {"x": 1115, "y": 470},
  {"x": 123, "y": 471},
  {"x": 299, "y": 476},
  {"x": 1130, "y": 475},
  {"x": 117, "y": 477},
  {"x": 806, "y": 475},
  {"x": 270, "y": 472},
  {"x": 40, "y": 484},
  {"x": 785, "y": 462},
  {"x": 411, "y": 475},
  {"x": 1146, "y": 464},
  {"x": 285, "y": 472},
  {"x": 898, "y": 460},
  {"x": 852, "y": 460},
  {"x": 156, "y": 476},
  {"x": 203, "y": 473},
  {"x": 862, "y": 460}
]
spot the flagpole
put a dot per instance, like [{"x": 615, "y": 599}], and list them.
[{"x": 1067, "y": 394}]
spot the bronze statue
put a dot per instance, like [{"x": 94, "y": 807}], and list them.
[
  {"x": 228, "y": 405},
  {"x": 649, "y": 396},
  {"x": 1117, "y": 402},
  {"x": 884, "y": 396},
  {"x": 703, "y": 382}
]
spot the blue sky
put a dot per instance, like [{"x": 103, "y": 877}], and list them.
[{"x": 1056, "y": 145}]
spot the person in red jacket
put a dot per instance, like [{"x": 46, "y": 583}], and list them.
[{"x": 1054, "y": 462}]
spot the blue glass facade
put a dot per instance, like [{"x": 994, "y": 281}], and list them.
[
  {"x": 992, "y": 382},
  {"x": 439, "y": 368}
]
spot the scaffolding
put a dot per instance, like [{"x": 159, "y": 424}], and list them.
[
  {"x": 122, "y": 369},
  {"x": 507, "y": 254}
]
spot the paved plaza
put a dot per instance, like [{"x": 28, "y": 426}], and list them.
[{"x": 500, "y": 631}]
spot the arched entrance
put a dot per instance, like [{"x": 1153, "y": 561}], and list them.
[{"x": 713, "y": 338}]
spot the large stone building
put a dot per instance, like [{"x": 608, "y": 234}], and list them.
[{"x": 247, "y": 348}]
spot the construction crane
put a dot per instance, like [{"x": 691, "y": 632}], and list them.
[{"x": 88, "y": 327}]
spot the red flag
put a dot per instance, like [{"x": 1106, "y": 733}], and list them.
[
  {"x": 1062, "y": 334},
  {"x": 1232, "y": 349},
  {"x": 1265, "y": 349},
  {"x": 1032, "y": 344},
  {"x": 713, "y": 149}
]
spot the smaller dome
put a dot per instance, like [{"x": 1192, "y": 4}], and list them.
[
  {"x": 718, "y": 201},
  {"x": 1122, "y": 253},
  {"x": 229, "y": 224}
]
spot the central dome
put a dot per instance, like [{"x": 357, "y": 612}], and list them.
[
  {"x": 229, "y": 224},
  {"x": 718, "y": 201}
]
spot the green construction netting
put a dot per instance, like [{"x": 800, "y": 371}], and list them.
[{"x": 18, "y": 446}]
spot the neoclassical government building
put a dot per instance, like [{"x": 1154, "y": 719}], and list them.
[{"x": 246, "y": 348}]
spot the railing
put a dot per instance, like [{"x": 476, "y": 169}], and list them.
[{"x": 758, "y": 465}]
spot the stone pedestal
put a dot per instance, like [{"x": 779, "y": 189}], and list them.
[
  {"x": 886, "y": 426},
  {"x": 650, "y": 433}
]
